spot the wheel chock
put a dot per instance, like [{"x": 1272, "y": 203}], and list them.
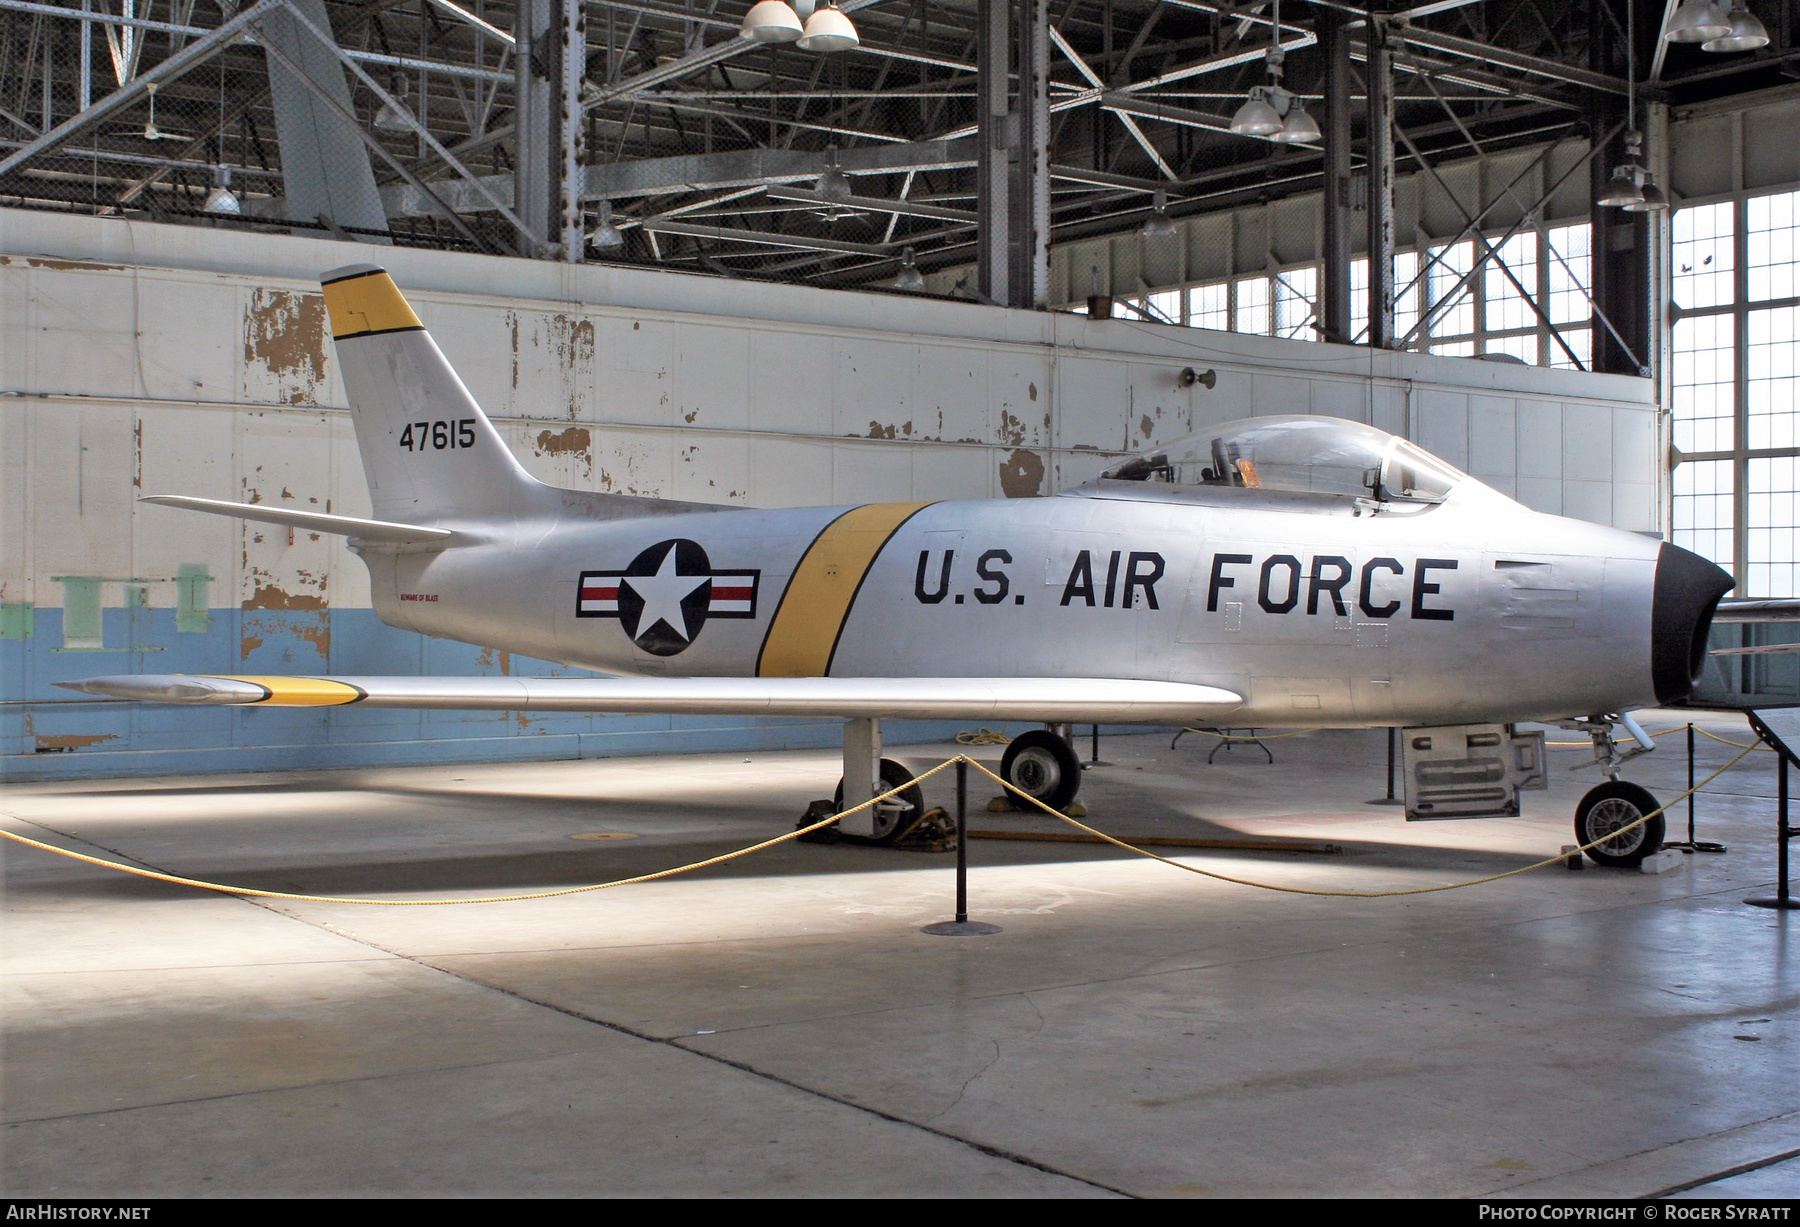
[
  {"x": 818, "y": 811},
  {"x": 1660, "y": 862},
  {"x": 1573, "y": 858},
  {"x": 1001, "y": 804}
]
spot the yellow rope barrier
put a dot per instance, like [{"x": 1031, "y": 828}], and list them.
[
  {"x": 825, "y": 822},
  {"x": 983, "y": 737},
  {"x": 542, "y": 894},
  {"x": 1755, "y": 745},
  {"x": 1362, "y": 894}
]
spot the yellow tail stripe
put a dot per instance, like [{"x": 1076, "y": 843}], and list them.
[
  {"x": 302, "y": 691},
  {"x": 369, "y": 302},
  {"x": 804, "y": 633}
]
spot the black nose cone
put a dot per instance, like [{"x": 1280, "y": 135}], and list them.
[{"x": 1688, "y": 589}]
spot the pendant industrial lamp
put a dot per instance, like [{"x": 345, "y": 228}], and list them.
[
  {"x": 834, "y": 184},
  {"x": 222, "y": 200},
  {"x": 1698, "y": 21},
  {"x": 1747, "y": 32},
  {"x": 1298, "y": 126},
  {"x": 1622, "y": 190},
  {"x": 771, "y": 21},
  {"x": 606, "y": 236},
  {"x": 1632, "y": 187},
  {"x": 909, "y": 277},
  {"x": 1159, "y": 225},
  {"x": 826, "y": 29},
  {"x": 1651, "y": 198},
  {"x": 1272, "y": 111},
  {"x": 392, "y": 119},
  {"x": 1258, "y": 116}
]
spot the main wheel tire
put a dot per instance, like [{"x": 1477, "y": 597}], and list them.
[
  {"x": 1610, "y": 807},
  {"x": 896, "y": 814},
  {"x": 1042, "y": 765}
]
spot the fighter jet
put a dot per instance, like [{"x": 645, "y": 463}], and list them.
[{"x": 1293, "y": 571}]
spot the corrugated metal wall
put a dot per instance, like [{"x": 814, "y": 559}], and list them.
[{"x": 139, "y": 359}]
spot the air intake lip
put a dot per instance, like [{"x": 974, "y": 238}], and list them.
[{"x": 1688, "y": 588}]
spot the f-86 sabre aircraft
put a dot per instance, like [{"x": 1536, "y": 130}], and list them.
[{"x": 1281, "y": 571}]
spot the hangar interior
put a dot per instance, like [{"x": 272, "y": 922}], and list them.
[{"x": 784, "y": 255}]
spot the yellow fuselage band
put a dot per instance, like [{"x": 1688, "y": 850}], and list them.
[{"x": 804, "y": 633}]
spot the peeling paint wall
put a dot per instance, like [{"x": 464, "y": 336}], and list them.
[{"x": 142, "y": 359}]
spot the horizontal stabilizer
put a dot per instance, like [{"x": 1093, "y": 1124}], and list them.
[
  {"x": 1754, "y": 609},
  {"x": 312, "y": 521},
  {"x": 1047, "y": 699}
]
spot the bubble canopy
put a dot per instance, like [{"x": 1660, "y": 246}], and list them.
[{"x": 1294, "y": 455}]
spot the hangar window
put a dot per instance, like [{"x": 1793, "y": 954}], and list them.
[
  {"x": 1252, "y": 305},
  {"x": 1734, "y": 372},
  {"x": 1296, "y": 292},
  {"x": 1442, "y": 300},
  {"x": 1209, "y": 306},
  {"x": 1296, "y": 455}
]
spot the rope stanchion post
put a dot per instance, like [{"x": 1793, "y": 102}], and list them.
[
  {"x": 962, "y": 926},
  {"x": 1781, "y": 900},
  {"x": 1693, "y": 844}
]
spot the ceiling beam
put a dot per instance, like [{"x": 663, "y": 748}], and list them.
[
  {"x": 871, "y": 204},
  {"x": 1468, "y": 48},
  {"x": 699, "y": 172}
]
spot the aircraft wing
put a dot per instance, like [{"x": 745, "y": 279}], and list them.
[
  {"x": 1048, "y": 699},
  {"x": 383, "y": 531}
]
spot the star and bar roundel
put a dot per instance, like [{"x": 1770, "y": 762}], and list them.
[{"x": 664, "y": 598}]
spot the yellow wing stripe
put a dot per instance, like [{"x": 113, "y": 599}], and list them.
[
  {"x": 302, "y": 691},
  {"x": 369, "y": 302},
  {"x": 803, "y": 635}
]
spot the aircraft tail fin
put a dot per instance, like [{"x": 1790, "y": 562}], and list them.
[{"x": 428, "y": 450}]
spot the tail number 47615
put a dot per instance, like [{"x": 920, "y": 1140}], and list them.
[{"x": 437, "y": 436}]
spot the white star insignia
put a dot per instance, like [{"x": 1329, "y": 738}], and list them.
[{"x": 662, "y": 595}]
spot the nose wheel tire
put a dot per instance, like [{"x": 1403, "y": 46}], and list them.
[
  {"x": 894, "y": 815},
  {"x": 1610, "y": 808},
  {"x": 1044, "y": 766}
]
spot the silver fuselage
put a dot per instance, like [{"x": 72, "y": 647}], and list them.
[{"x": 1319, "y": 612}]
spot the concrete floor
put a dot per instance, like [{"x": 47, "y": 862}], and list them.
[{"x": 780, "y": 1026}]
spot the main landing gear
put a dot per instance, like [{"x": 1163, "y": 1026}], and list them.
[
  {"x": 1043, "y": 765},
  {"x": 866, "y": 775},
  {"x": 1040, "y": 763},
  {"x": 891, "y": 817},
  {"x": 1616, "y": 805}
]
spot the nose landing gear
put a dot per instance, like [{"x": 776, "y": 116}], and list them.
[{"x": 1608, "y": 809}]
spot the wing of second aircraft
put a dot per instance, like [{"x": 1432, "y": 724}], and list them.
[{"x": 1049, "y": 699}]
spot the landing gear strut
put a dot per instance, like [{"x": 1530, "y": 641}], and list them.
[
  {"x": 866, "y": 775},
  {"x": 1043, "y": 765},
  {"x": 1615, "y": 805},
  {"x": 892, "y": 816}
]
